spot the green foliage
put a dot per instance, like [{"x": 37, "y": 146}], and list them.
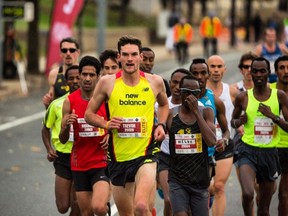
[
  {"x": 90, "y": 15},
  {"x": 89, "y": 19}
]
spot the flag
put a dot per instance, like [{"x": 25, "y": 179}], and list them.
[{"x": 64, "y": 15}]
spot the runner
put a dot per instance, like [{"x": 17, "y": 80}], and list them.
[
  {"x": 259, "y": 157},
  {"x": 131, "y": 96}
]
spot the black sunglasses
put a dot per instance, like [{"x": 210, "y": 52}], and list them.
[
  {"x": 246, "y": 66},
  {"x": 187, "y": 91},
  {"x": 71, "y": 50}
]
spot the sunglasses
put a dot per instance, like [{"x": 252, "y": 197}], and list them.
[
  {"x": 187, "y": 91},
  {"x": 71, "y": 50},
  {"x": 246, "y": 66}
]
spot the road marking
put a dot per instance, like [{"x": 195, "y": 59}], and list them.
[
  {"x": 21, "y": 121},
  {"x": 31, "y": 118}
]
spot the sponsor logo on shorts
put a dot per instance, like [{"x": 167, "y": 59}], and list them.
[{"x": 148, "y": 161}]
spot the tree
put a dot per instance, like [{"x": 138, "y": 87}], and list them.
[
  {"x": 248, "y": 6},
  {"x": 190, "y": 5},
  {"x": 283, "y": 5},
  {"x": 232, "y": 27},
  {"x": 123, "y": 12},
  {"x": 204, "y": 8},
  {"x": 33, "y": 42}
]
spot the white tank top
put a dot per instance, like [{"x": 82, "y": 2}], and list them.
[
  {"x": 229, "y": 107},
  {"x": 165, "y": 143},
  {"x": 240, "y": 85}
]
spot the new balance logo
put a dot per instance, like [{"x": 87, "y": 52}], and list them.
[{"x": 145, "y": 89}]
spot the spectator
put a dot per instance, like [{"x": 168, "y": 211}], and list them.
[
  {"x": 173, "y": 19},
  {"x": 271, "y": 50},
  {"x": 183, "y": 34},
  {"x": 210, "y": 30},
  {"x": 257, "y": 26}
]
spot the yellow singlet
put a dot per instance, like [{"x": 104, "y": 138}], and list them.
[{"x": 136, "y": 106}]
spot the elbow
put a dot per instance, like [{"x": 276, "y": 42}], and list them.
[
  {"x": 62, "y": 139},
  {"x": 86, "y": 117}
]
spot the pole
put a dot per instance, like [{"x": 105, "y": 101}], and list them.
[
  {"x": 102, "y": 9},
  {"x": 1, "y": 43},
  {"x": 232, "y": 27}
]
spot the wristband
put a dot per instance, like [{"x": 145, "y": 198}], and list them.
[
  {"x": 163, "y": 125},
  {"x": 226, "y": 141},
  {"x": 107, "y": 125},
  {"x": 234, "y": 123},
  {"x": 276, "y": 120}
]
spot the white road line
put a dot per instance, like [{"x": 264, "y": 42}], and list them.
[
  {"x": 21, "y": 121},
  {"x": 31, "y": 118}
]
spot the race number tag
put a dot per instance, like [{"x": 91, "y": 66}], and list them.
[
  {"x": 133, "y": 127},
  {"x": 71, "y": 133},
  {"x": 86, "y": 130},
  {"x": 188, "y": 143},
  {"x": 263, "y": 130},
  {"x": 218, "y": 131}
]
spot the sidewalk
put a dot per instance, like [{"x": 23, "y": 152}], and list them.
[{"x": 12, "y": 88}]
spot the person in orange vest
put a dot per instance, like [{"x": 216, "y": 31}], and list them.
[
  {"x": 183, "y": 33},
  {"x": 210, "y": 30}
]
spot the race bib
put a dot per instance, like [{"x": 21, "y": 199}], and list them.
[
  {"x": 188, "y": 143},
  {"x": 86, "y": 130},
  {"x": 71, "y": 134},
  {"x": 133, "y": 127},
  {"x": 218, "y": 131},
  {"x": 263, "y": 130}
]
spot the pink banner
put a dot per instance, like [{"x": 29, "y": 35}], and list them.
[{"x": 64, "y": 14}]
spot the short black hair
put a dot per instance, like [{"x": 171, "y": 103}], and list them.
[
  {"x": 280, "y": 58},
  {"x": 69, "y": 40},
  {"x": 198, "y": 61},
  {"x": 90, "y": 61},
  {"x": 180, "y": 70},
  {"x": 189, "y": 77},
  {"x": 108, "y": 54},
  {"x": 260, "y": 58},
  {"x": 147, "y": 49},
  {"x": 72, "y": 67},
  {"x": 129, "y": 40},
  {"x": 246, "y": 56}
]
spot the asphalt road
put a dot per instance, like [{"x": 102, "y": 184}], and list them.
[{"x": 27, "y": 178}]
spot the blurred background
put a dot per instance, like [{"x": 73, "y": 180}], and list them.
[
  {"x": 25, "y": 28},
  {"x": 30, "y": 29}
]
